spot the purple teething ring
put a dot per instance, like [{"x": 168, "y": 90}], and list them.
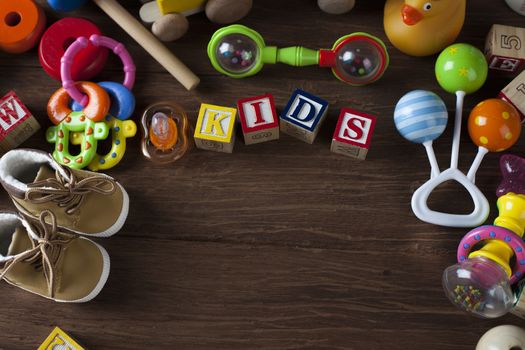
[
  {"x": 97, "y": 40},
  {"x": 484, "y": 233}
]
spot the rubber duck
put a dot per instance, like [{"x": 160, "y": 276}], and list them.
[{"x": 423, "y": 27}]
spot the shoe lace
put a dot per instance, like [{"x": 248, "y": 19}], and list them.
[
  {"x": 45, "y": 250},
  {"x": 68, "y": 192}
]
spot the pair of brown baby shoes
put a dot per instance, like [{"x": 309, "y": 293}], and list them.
[{"x": 44, "y": 247}]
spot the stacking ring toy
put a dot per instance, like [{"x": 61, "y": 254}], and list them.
[
  {"x": 122, "y": 100},
  {"x": 120, "y": 130},
  {"x": 76, "y": 122},
  {"x": 21, "y": 25},
  {"x": 97, "y": 40},
  {"x": 356, "y": 59},
  {"x": 165, "y": 132},
  {"x": 57, "y": 38},
  {"x": 481, "y": 281},
  {"x": 58, "y": 107}
]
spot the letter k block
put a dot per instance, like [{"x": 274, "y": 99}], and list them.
[{"x": 215, "y": 130}]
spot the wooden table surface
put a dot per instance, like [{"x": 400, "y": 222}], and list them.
[{"x": 281, "y": 245}]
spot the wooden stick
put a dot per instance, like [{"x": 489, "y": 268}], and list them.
[{"x": 149, "y": 42}]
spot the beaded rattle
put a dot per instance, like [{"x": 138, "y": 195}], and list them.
[
  {"x": 356, "y": 59},
  {"x": 481, "y": 281}
]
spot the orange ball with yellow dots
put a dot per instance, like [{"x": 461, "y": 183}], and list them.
[{"x": 494, "y": 124}]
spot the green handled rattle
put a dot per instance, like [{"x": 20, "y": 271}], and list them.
[{"x": 356, "y": 59}]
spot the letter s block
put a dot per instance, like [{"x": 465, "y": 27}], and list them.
[
  {"x": 353, "y": 134},
  {"x": 303, "y": 116},
  {"x": 215, "y": 130}
]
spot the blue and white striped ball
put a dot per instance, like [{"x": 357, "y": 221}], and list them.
[{"x": 421, "y": 116}]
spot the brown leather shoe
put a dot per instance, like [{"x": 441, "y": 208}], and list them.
[
  {"x": 37, "y": 257},
  {"x": 83, "y": 202}
]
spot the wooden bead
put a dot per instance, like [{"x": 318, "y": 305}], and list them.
[
  {"x": 170, "y": 27},
  {"x": 502, "y": 338},
  {"x": 336, "y": 7},
  {"x": 227, "y": 11},
  {"x": 21, "y": 25}
]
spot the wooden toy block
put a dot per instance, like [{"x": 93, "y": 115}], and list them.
[
  {"x": 186, "y": 7},
  {"x": 17, "y": 124},
  {"x": 353, "y": 134},
  {"x": 58, "y": 339},
  {"x": 259, "y": 119},
  {"x": 215, "y": 130},
  {"x": 303, "y": 116},
  {"x": 514, "y": 93},
  {"x": 504, "y": 48}
]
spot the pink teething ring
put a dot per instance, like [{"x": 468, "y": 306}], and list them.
[
  {"x": 488, "y": 232},
  {"x": 97, "y": 41}
]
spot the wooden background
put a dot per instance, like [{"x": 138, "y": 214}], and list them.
[{"x": 281, "y": 245}]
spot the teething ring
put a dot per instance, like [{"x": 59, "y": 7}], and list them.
[
  {"x": 97, "y": 40},
  {"x": 58, "y": 106},
  {"x": 120, "y": 131},
  {"x": 488, "y": 232},
  {"x": 76, "y": 122}
]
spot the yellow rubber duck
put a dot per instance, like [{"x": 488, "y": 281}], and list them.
[{"x": 423, "y": 27}]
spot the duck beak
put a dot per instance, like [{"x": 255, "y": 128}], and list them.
[{"x": 410, "y": 15}]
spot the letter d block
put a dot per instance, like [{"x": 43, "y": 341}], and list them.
[
  {"x": 258, "y": 119},
  {"x": 353, "y": 134},
  {"x": 303, "y": 116},
  {"x": 215, "y": 130}
]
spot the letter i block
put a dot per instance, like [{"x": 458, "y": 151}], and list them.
[
  {"x": 58, "y": 339},
  {"x": 514, "y": 93},
  {"x": 215, "y": 130},
  {"x": 17, "y": 124},
  {"x": 303, "y": 116},
  {"x": 505, "y": 48},
  {"x": 258, "y": 119},
  {"x": 353, "y": 134}
]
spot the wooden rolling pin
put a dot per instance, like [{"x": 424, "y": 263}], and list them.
[{"x": 149, "y": 42}]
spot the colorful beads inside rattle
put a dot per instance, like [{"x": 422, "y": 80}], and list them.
[
  {"x": 237, "y": 53},
  {"x": 495, "y": 125},
  {"x": 359, "y": 61},
  {"x": 163, "y": 131}
]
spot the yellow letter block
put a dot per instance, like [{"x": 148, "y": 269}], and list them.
[
  {"x": 58, "y": 339},
  {"x": 215, "y": 130},
  {"x": 186, "y": 7}
]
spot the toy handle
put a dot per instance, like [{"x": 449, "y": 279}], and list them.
[
  {"x": 149, "y": 42},
  {"x": 296, "y": 56}
]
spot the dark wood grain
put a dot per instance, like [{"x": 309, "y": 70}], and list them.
[{"x": 280, "y": 245}]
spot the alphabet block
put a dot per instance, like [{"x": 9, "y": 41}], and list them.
[
  {"x": 514, "y": 93},
  {"x": 504, "y": 48},
  {"x": 17, "y": 124},
  {"x": 259, "y": 119},
  {"x": 303, "y": 116},
  {"x": 353, "y": 134},
  {"x": 215, "y": 128},
  {"x": 58, "y": 339}
]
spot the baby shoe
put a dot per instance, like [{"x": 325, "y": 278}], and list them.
[
  {"x": 37, "y": 257},
  {"x": 83, "y": 202}
]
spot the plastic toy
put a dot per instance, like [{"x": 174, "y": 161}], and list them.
[
  {"x": 353, "y": 134},
  {"x": 502, "y": 338},
  {"x": 494, "y": 125},
  {"x": 165, "y": 132},
  {"x": 504, "y": 48},
  {"x": 517, "y": 5},
  {"x": 22, "y": 24},
  {"x": 169, "y": 16},
  {"x": 336, "y": 7},
  {"x": 140, "y": 34},
  {"x": 423, "y": 27},
  {"x": 215, "y": 130},
  {"x": 481, "y": 281},
  {"x": 303, "y": 116},
  {"x": 259, "y": 119},
  {"x": 17, "y": 124},
  {"x": 57, "y": 38},
  {"x": 460, "y": 69},
  {"x": 514, "y": 93},
  {"x": 513, "y": 171},
  {"x": 356, "y": 59},
  {"x": 59, "y": 135},
  {"x": 58, "y": 339}
]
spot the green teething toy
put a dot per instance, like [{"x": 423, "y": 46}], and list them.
[
  {"x": 76, "y": 122},
  {"x": 120, "y": 130}
]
